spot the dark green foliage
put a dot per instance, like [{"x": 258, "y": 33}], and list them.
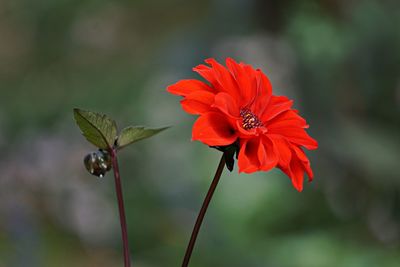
[
  {"x": 98, "y": 129},
  {"x": 133, "y": 134}
]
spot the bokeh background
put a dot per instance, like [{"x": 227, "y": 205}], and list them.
[{"x": 339, "y": 61}]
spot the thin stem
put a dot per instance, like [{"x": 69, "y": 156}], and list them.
[
  {"x": 118, "y": 189},
  {"x": 203, "y": 211}
]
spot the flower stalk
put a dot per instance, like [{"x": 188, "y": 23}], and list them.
[
  {"x": 203, "y": 211},
  {"x": 122, "y": 217}
]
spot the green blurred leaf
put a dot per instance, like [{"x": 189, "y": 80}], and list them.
[
  {"x": 133, "y": 134},
  {"x": 98, "y": 129}
]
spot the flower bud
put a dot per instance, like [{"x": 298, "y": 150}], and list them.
[{"x": 98, "y": 163}]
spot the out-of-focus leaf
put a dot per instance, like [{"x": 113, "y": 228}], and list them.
[
  {"x": 98, "y": 129},
  {"x": 133, "y": 134}
]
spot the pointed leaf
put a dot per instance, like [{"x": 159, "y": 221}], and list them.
[
  {"x": 98, "y": 129},
  {"x": 133, "y": 134}
]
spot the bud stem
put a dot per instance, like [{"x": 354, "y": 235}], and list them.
[{"x": 118, "y": 189}]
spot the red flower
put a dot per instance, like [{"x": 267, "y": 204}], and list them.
[{"x": 237, "y": 106}]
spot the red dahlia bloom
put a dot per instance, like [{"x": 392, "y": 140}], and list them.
[{"x": 237, "y": 106}]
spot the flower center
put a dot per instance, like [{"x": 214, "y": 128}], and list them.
[{"x": 249, "y": 119}]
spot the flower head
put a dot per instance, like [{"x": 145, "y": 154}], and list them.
[{"x": 237, "y": 107}]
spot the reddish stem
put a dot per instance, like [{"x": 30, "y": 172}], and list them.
[
  {"x": 118, "y": 189},
  {"x": 203, "y": 211}
]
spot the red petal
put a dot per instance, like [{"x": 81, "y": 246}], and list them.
[
  {"x": 296, "y": 135},
  {"x": 287, "y": 119},
  {"x": 198, "y": 102},
  {"x": 224, "y": 78},
  {"x": 264, "y": 93},
  {"x": 227, "y": 104},
  {"x": 214, "y": 129},
  {"x": 282, "y": 148},
  {"x": 277, "y": 105},
  {"x": 297, "y": 174},
  {"x": 266, "y": 83},
  {"x": 185, "y": 87},
  {"x": 243, "y": 133},
  {"x": 248, "y": 156},
  {"x": 299, "y": 164},
  {"x": 266, "y": 154},
  {"x": 304, "y": 160},
  {"x": 245, "y": 79},
  {"x": 208, "y": 74}
]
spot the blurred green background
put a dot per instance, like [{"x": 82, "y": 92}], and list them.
[{"x": 339, "y": 61}]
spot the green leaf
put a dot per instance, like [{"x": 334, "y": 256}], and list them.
[
  {"x": 98, "y": 129},
  {"x": 133, "y": 134}
]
